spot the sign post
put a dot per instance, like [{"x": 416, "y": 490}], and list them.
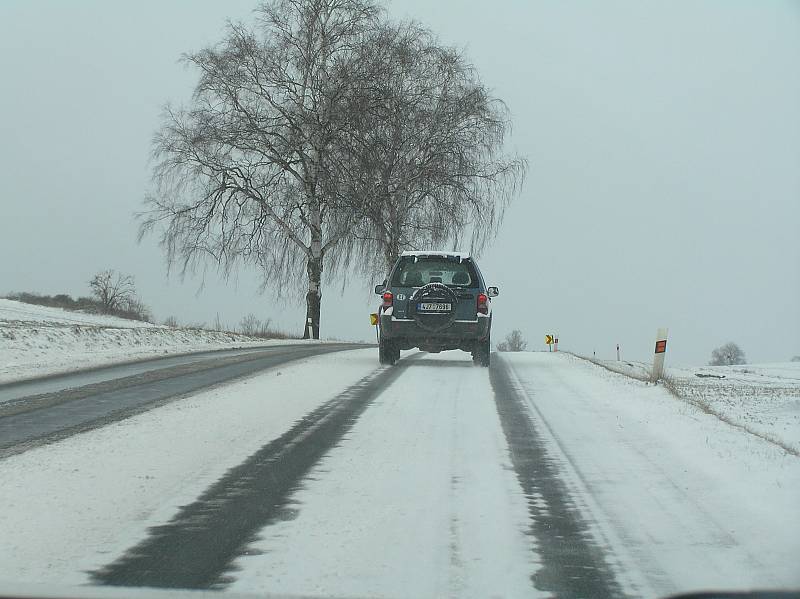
[
  {"x": 660, "y": 353},
  {"x": 548, "y": 339},
  {"x": 373, "y": 320},
  {"x": 555, "y": 341}
]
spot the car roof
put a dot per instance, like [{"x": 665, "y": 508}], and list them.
[{"x": 445, "y": 254}]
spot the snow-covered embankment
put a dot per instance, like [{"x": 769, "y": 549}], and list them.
[
  {"x": 763, "y": 399},
  {"x": 37, "y": 340}
]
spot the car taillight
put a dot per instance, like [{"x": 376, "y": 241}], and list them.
[
  {"x": 483, "y": 303},
  {"x": 388, "y": 298}
]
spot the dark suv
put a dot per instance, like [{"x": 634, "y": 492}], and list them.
[{"x": 435, "y": 301}]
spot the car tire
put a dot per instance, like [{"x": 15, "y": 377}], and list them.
[
  {"x": 387, "y": 352},
  {"x": 482, "y": 354}
]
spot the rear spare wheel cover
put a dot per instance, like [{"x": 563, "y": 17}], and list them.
[{"x": 435, "y": 293}]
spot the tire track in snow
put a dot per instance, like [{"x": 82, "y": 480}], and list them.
[
  {"x": 195, "y": 549},
  {"x": 572, "y": 564}
]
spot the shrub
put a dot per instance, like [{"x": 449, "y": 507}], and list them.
[
  {"x": 727, "y": 355},
  {"x": 514, "y": 341}
]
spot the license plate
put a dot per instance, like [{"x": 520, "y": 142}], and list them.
[{"x": 433, "y": 307}]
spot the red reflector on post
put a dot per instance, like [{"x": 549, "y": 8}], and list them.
[{"x": 661, "y": 346}]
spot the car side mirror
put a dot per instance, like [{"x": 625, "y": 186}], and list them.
[
  {"x": 379, "y": 288},
  {"x": 493, "y": 291}
]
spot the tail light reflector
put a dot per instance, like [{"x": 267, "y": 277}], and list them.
[
  {"x": 483, "y": 303},
  {"x": 388, "y": 298}
]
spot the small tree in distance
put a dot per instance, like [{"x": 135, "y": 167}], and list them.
[
  {"x": 113, "y": 290},
  {"x": 727, "y": 355},
  {"x": 514, "y": 341},
  {"x": 250, "y": 325}
]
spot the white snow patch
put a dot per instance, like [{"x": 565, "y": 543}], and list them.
[
  {"x": 762, "y": 398},
  {"x": 37, "y": 340},
  {"x": 443, "y": 253},
  {"x": 12, "y": 311}
]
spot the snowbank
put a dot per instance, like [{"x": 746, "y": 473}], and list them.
[
  {"x": 763, "y": 399},
  {"x": 13, "y": 312},
  {"x": 37, "y": 340}
]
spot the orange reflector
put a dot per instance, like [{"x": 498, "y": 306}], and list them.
[
  {"x": 373, "y": 319},
  {"x": 661, "y": 346}
]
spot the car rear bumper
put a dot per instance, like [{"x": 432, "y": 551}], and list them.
[{"x": 461, "y": 334}]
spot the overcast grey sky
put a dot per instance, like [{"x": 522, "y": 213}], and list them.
[{"x": 663, "y": 140}]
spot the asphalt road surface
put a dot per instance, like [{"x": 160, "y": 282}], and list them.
[
  {"x": 37, "y": 411},
  {"x": 313, "y": 471}
]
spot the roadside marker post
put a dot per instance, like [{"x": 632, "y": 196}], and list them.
[
  {"x": 660, "y": 354},
  {"x": 617, "y": 352},
  {"x": 373, "y": 320}
]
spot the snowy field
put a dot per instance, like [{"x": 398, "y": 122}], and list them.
[
  {"x": 14, "y": 312},
  {"x": 38, "y": 340},
  {"x": 763, "y": 399}
]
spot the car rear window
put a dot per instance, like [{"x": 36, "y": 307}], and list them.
[{"x": 416, "y": 271}]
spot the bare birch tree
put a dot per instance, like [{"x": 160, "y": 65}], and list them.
[
  {"x": 426, "y": 141},
  {"x": 113, "y": 290},
  {"x": 240, "y": 174}
]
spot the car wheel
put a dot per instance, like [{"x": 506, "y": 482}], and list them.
[
  {"x": 482, "y": 355},
  {"x": 387, "y": 352}
]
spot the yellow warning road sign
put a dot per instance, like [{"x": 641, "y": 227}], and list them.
[
  {"x": 373, "y": 319},
  {"x": 548, "y": 339}
]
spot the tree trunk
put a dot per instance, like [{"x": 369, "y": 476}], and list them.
[
  {"x": 391, "y": 252},
  {"x": 313, "y": 299},
  {"x": 314, "y": 271},
  {"x": 391, "y": 248}
]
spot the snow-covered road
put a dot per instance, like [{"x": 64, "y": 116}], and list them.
[
  {"x": 420, "y": 500},
  {"x": 680, "y": 499},
  {"x": 330, "y": 476}
]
